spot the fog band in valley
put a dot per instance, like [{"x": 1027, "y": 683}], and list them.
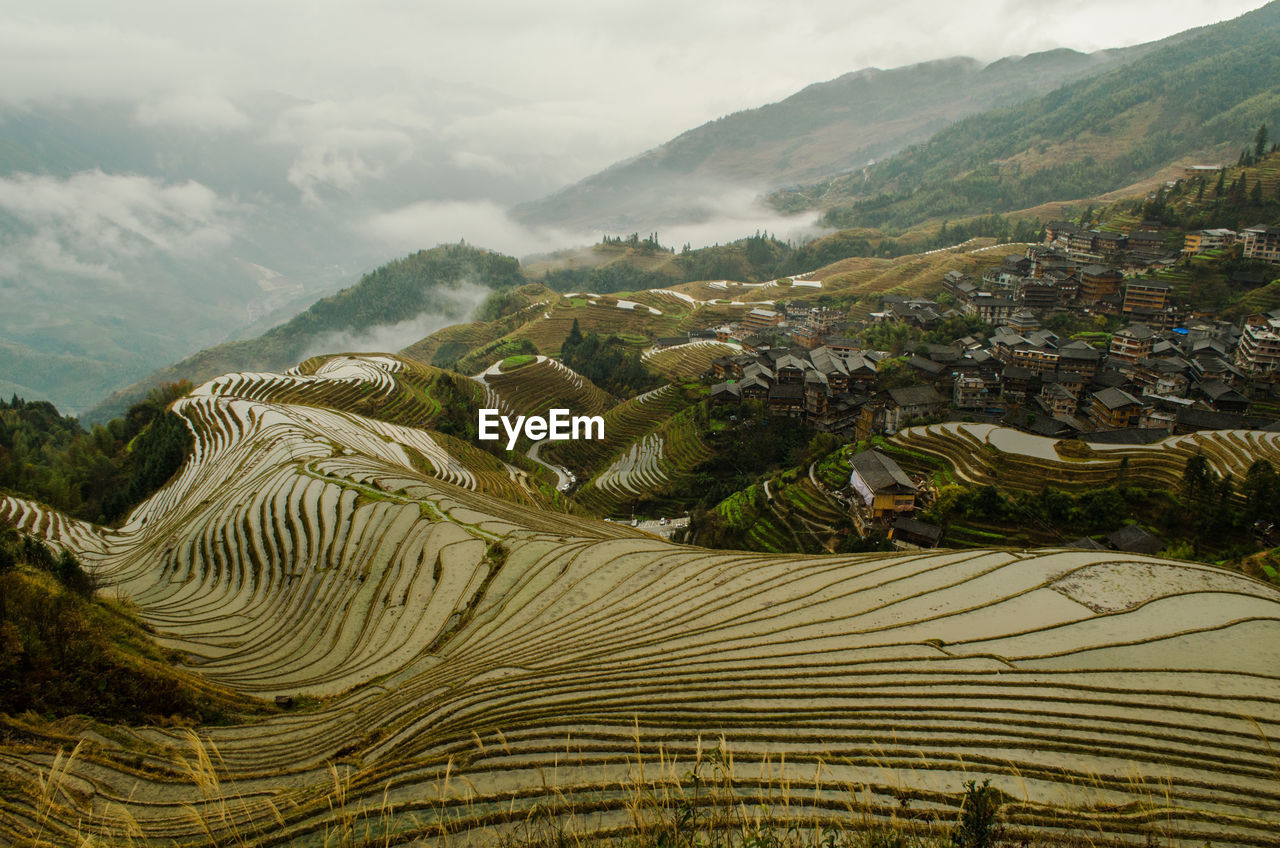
[{"x": 558, "y": 425}]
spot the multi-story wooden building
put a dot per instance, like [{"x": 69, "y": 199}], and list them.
[
  {"x": 1259, "y": 351},
  {"x": 1098, "y": 282},
  {"x": 758, "y": 320},
  {"x": 1146, "y": 294},
  {"x": 1129, "y": 344},
  {"x": 1114, "y": 409},
  {"x": 1058, "y": 400},
  {"x": 1262, "y": 242},
  {"x": 1202, "y": 240},
  {"x": 883, "y": 490}
]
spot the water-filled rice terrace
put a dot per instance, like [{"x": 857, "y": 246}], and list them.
[
  {"x": 479, "y": 661},
  {"x": 986, "y": 454}
]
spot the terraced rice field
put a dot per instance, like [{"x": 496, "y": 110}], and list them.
[
  {"x": 624, "y": 424},
  {"x": 688, "y": 361},
  {"x": 482, "y": 663},
  {"x": 643, "y": 469},
  {"x": 914, "y": 275},
  {"x": 986, "y": 454},
  {"x": 636, "y": 472},
  {"x": 544, "y": 384},
  {"x": 549, "y": 330},
  {"x": 795, "y": 512}
]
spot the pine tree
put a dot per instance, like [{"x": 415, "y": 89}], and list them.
[
  {"x": 1260, "y": 142},
  {"x": 1222, "y": 177}
]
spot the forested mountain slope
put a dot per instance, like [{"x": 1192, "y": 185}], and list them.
[
  {"x": 417, "y": 294},
  {"x": 1196, "y": 101},
  {"x": 825, "y": 129}
]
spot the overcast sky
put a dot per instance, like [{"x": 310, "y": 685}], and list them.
[
  {"x": 586, "y": 80},
  {"x": 421, "y": 122}
]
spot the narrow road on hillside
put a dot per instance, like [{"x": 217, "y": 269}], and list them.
[{"x": 564, "y": 477}]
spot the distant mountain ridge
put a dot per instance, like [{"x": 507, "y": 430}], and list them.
[
  {"x": 824, "y": 129},
  {"x": 1198, "y": 100}
]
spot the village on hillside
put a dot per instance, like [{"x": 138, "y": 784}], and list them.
[
  {"x": 1148, "y": 368},
  {"x": 1082, "y": 336}
]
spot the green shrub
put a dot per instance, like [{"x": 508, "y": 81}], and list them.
[{"x": 978, "y": 826}]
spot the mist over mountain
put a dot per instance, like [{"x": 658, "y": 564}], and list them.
[
  {"x": 159, "y": 196},
  {"x": 1198, "y": 100},
  {"x": 390, "y": 307},
  {"x": 133, "y": 233},
  {"x": 825, "y": 129}
]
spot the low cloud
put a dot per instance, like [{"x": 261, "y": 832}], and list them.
[
  {"x": 480, "y": 162},
  {"x": 86, "y": 223},
  {"x": 723, "y": 215},
  {"x": 536, "y": 136},
  {"x": 462, "y": 303},
  {"x": 734, "y": 212},
  {"x": 343, "y": 145},
  {"x": 41, "y": 60},
  {"x": 192, "y": 110},
  {"x": 429, "y": 223}
]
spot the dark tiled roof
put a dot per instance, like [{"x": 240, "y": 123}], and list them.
[
  {"x": 1115, "y": 398},
  {"x": 918, "y": 528},
  {"x": 916, "y": 396},
  {"x": 1207, "y": 419},
  {"x": 926, "y": 365},
  {"x": 880, "y": 472},
  {"x": 1140, "y": 332},
  {"x": 1134, "y": 539}
]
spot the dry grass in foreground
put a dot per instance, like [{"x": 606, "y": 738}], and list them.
[{"x": 664, "y": 804}]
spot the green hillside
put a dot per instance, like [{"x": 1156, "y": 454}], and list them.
[
  {"x": 1193, "y": 101},
  {"x": 826, "y": 128}
]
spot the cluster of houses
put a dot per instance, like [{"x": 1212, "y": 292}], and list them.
[
  {"x": 830, "y": 386},
  {"x": 1260, "y": 242},
  {"x": 1145, "y": 244},
  {"x": 1207, "y": 375},
  {"x": 802, "y": 323},
  {"x": 1163, "y": 372},
  {"x": 1178, "y": 380},
  {"x": 1050, "y": 278}
]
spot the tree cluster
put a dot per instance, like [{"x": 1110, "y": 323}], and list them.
[
  {"x": 606, "y": 361},
  {"x": 96, "y": 475}
]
